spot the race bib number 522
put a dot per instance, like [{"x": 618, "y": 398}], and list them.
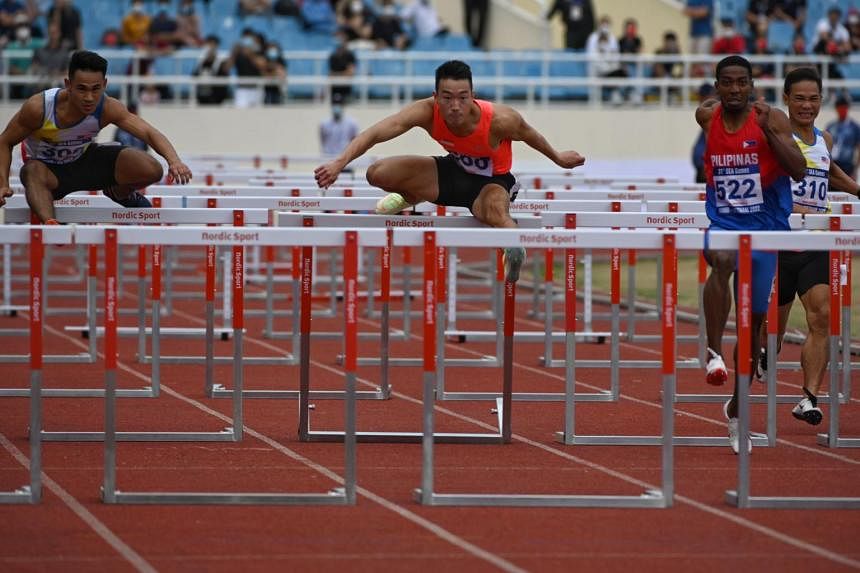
[{"x": 738, "y": 189}]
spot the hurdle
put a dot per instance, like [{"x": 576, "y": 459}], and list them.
[
  {"x": 35, "y": 238},
  {"x": 528, "y": 238},
  {"x": 113, "y": 237},
  {"x": 834, "y": 242}
]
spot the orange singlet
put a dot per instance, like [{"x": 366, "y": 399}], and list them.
[{"x": 473, "y": 152}]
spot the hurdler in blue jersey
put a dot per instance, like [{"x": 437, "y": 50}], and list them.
[{"x": 58, "y": 128}]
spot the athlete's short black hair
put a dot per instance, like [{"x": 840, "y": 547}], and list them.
[
  {"x": 87, "y": 61},
  {"x": 733, "y": 60},
  {"x": 804, "y": 74},
  {"x": 453, "y": 70}
]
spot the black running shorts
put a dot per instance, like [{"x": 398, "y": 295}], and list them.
[
  {"x": 93, "y": 171},
  {"x": 800, "y": 271},
  {"x": 459, "y": 188}
]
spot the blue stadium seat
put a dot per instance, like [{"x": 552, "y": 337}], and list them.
[
  {"x": 560, "y": 68},
  {"x": 391, "y": 64},
  {"x": 301, "y": 67},
  {"x": 425, "y": 71},
  {"x": 780, "y": 35},
  {"x": 517, "y": 67}
]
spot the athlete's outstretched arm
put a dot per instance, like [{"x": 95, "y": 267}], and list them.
[
  {"x": 777, "y": 128},
  {"x": 22, "y": 124},
  {"x": 509, "y": 124},
  {"x": 116, "y": 113},
  {"x": 418, "y": 114}
]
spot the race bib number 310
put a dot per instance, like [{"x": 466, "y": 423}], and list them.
[{"x": 738, "y": 189}]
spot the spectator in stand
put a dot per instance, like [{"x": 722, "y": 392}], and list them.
[
  {"x": 792, "y": 11},
  {"x": 831, "y": 34},
  {"x": 338, "y": 131},
  {"x": 10, "y": 10},
  {"x": 763, "y": 70},
  {"x": 729, "y": 40},
  {"x": 188, "y": 23},
  {"x": 135, "y": 25},
  {"x": 51, "y": 61},
  {"x": 852, "y": 23},
  {"x": 701, "y": 14},
  {"x": 846, "y": 138},
  {"x": 341, "y": 64},
  {"x": 164, "y": 29},
  {"x": 669, "y": 68},
  {"x": 69, "y": 19},
  {"x": 286, "y": 8},
  {"x": 387, "y": 30},
  {"x": 798, "y": 45},
  {"x": 758, "y": 17},
  {"x": 475, "y": 13},
  {"x": 254, "y": 7},
  {"x": 631, "y": 43},
  {"x": 20, "y": 66},
  {"x": 578, "y": 18},
  {"x": 125, "y": 138},
  {"x": 354, "y": 20},
  {"x": 211, "y": 65},
  {"x": 276, "y": 70},
  {"x": 249, "y": 62},
  {"x": 603, "y": 49},
  {"x": 424, "y": 19},
  {"x": 832, "y": 39},
  {"x": 318, "y": 16}
]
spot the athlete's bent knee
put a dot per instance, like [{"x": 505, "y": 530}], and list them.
[{"x": 818, "y": 320}]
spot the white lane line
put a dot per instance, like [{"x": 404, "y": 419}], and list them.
[
  {"x": 83, "y": 513},
  {"x": 433, "y": 528}
]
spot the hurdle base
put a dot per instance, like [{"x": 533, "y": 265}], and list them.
[
  {"x": 754, "y": 502},
  {"x": 754, "y": 398},
  {"x": 637, "y": 364},
  {"x": 146, "y": 392},
  {"x": 824, "y": 440},
  {"x": 403, "y": 437},
  {"x": 651, "y": 498},
  {"x": 484, "y": 361},
  {"x": 24, "y": 494},
  {"x": 336, "y": 497},
  {"x": 225, "y": 435},
  {"x": 602, "y": 396},
  {"x": 288, "y": 360},
  {"x": 220, "y": 391},
  {"x": 758, "y": 440}
]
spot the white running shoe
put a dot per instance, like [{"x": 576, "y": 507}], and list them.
[
  {"x": 761, "y": 367},
  {"x": 391, "y": 204},
  {"x": 715, "y": 371},
  {"x": 513, "y": 259},
  {"x": 734, "y": 436},
  {"x": 806, "y": 411}
]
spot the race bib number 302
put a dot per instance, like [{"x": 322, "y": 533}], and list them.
[{"x": 738, "y": 189}]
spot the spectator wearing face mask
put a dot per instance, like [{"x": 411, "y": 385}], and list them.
[
  {"x": 276, "y": 70},
  {"x": 341, "y": 64},
  {"x": 387, "y": 29},
  {"x": 164, "y": 29},
  {"x": 10, "y": 10},
  {"x": 249, "y": 60},
  {"x": 20, "y": 66},
  {"x": 602, "y": 47},
  {"x": 212, "y": 65},
  {"x": 188, "y": 25},
  {"x": 135, "y": 25},
  {"x": 846, "y": 138},
  {"x": 337, "y": 131},
  {"x": 354, "y": 20}
]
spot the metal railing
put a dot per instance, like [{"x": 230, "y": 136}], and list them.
[{"x": 536, "y": 77}]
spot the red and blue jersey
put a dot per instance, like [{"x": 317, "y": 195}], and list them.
[{"x": 746, "y": 187}]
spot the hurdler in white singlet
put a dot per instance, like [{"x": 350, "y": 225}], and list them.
[
  {"x": 810, "y": 194},
  {"x": 54, "y": 144}
]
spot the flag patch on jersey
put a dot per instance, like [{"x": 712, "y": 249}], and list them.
[{"x": 749, "y": 143}]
